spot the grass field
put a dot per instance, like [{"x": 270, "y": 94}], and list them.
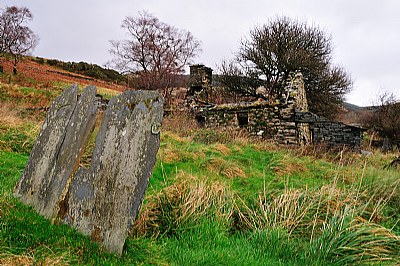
[{"x": 214, "y": 199}]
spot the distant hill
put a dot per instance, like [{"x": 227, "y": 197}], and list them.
[
  {"x": 48, "y": 71},
  {"x": 352, "y": 107},
  {"x": 86, "y": 69},
  {"x": 353, "y": 114}
]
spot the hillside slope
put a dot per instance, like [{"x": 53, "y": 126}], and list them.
[{"x": 33, "y": 72}]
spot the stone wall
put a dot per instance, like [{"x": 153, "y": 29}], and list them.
[
  {"x": 332, "y": 133},
  {"x": 268, "y": 121},
  {"x": 287, "y": 121},
  {"x": 277, "y": 123}
]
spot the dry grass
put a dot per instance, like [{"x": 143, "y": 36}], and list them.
[
  {"x": 182, "y": 123},
  {"x": 165, "y": 135},
  {"x": 107, "y": 93},
  {"x": 25, "y": 260},
  {"x": 22, "y": 105},
  {"x": 237, "y": 149},
  {"x": 26, "y": 97},
  {"x": 347, "y": 240},
  {"x": 289, "y": 167},
  {"x": 307, "y": 211},
  {"x": 14, "y": 260},
  {"x": 19, "y": 137},
  {"x": 303, "y": 212},
  {"x": 265, "y": 144},
  {"x": 233, "y": 171},
  {"x": 9, "y": 115},
  {"x": 169, "y": 152},
  {"x": 222, "y": 148},
  {"x": 340, "y": 155},
  {"x": 240, "y": 137},
  {"x": 182, "y": 204},
  {"x": 287, "y": 210},
  {"x": 343, "y": 156},
  {"x": 194, "y": 155},
  {"x": 31, "y": 73},
  {"x": 215, "y": 165},
  {"x": 224, "y": 168},
  {"x": 318, "y": 215}
]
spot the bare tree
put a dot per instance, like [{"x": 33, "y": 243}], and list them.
[
  {"x": 16, "y": 39},
  {"x": 279, "y": 48},
  {"x": 154, "y": 51},
  {"x": 384, "y": 117}
]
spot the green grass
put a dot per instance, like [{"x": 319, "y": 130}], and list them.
[
  {"x": 11, "y": 167},
  {"x": 214, "y": 199},
  {"x": 228, "y": 226},
  {"x": 25, "y": 233},
  {"x": 209, "y": 244},
  {"x": 38, "y": 97},
  {"x": 19, "y": 139}
]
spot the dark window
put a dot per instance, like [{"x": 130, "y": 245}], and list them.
[
  {"x": 243, "y": 119},
  {"x": 201, "y": 120}
]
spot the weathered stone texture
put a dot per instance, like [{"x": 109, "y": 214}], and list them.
[
  {"x": 104, "y": 200},
  {"x": 65, "y": 131},
  {"x": 286, "y": 122},
  {"x": 200, "y": 76}
]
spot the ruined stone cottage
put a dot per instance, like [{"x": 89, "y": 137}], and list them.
[{"x": 286, "y": 121}]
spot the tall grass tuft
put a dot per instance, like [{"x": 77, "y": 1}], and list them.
[
  {"x": 346, "y": 240},
  {"x": 184, "y": 205},
  {"x": 341, "y": 223},
  {"x": 224, "y": 168}
]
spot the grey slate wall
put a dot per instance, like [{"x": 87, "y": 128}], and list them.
[{"x": 286, "y": 122}]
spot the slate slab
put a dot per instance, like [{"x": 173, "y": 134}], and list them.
[
  {"x": 57, "y": 150},
  {"x": 104, "y": 200}
]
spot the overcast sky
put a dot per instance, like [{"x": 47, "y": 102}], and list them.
[{"x": 365, "y": 34}]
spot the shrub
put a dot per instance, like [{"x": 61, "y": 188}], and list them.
[{"x": 52, "y": 62}]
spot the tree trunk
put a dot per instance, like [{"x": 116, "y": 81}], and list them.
[{"x": 15, "y": 67}]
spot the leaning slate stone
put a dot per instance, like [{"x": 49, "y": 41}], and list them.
[
  {"x": 56, "y": 152},
  {"x": 104, "y": 200}
]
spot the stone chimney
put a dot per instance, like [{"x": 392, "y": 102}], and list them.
[{"x": 200, "y": 81}]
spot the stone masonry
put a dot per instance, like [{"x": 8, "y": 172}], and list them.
[{"x": 286, "y": 121}]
